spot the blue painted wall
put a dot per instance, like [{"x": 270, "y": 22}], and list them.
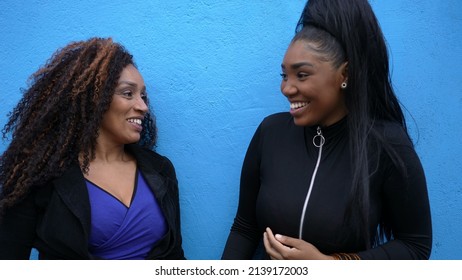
[{"x": 212, "y": 70}]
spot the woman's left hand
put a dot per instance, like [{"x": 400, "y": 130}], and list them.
[{"x": 281, "y": 247}]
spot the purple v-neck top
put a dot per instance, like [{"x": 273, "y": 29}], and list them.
[{"x": 121, "y": 232}]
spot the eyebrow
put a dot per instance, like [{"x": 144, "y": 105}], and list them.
[
  {"x": 298, "y": 65},
  {"x": 132, "y": 84},
  {"x": 128, "y": 83}
]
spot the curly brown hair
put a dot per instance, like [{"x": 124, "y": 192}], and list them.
[{"x": 59, "y": 115}]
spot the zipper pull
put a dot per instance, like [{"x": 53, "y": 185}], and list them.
[{"x": 318, "y": 140}]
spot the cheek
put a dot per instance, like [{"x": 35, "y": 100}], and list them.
[
  {"x": 111, "y": 119},
  {"x": 330, "y": 98},
  {"x": 329, "y": 90}
]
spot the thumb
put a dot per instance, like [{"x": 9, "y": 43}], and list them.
[{"x": 288, "y": 241}]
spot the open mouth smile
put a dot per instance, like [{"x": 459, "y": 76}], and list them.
[
  {"x": 135, "y": 121},
  {"x": 298, "y": 105}
]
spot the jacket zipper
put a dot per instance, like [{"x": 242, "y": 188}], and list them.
[{"x": 319, "y": 145}]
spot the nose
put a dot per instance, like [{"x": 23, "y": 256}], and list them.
[
  {"x": 287, "y": 88},
  {"x": 140, "y": 105}
]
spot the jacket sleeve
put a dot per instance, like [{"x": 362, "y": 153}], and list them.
[
  {"x": 407, "y": 210},
  {"x": 17, "y": 230},
  {"x": 244, "y": 236}
]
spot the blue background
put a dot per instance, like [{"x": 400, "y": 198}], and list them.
[{"x": 212, "y": 71}]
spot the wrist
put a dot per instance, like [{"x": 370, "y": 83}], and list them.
[{"x": 345, "y": 256}]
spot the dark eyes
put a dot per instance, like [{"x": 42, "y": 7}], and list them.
[
  {"x": 300, "y": 76},
  {"x": 130, "y": 94},
  {"x": 127, "y": 93}
]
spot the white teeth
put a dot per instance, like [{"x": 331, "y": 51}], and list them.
[
  {"x": 297, "y": 105},
  {"x": 137, "y": 121}
]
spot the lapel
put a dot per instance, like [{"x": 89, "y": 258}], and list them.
[
  {"x": 72, "y": 190},
  {"x": 151, "y": 168}
]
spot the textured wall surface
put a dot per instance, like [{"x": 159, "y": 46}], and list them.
[{"x": 212, "y": 70}]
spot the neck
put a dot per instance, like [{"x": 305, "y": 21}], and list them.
[{"x": 109, "y": 154}]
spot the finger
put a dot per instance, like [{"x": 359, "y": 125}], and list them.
[
  {"x": 275, "y": 244},
  {"x": 269, "y": 249},
  {"x": 288, "y": 241},
  {"x": 272, "y": 239}
]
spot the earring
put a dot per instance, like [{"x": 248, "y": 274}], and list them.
[{"x": 343, "y": 85}]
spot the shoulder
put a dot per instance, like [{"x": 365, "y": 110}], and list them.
[
  {"x": 393, "y": 139},
  {"x": 277, "y": 122},
  {"x": 277, "y": 129},
  {"x": 148, "y": 158},
  {"x": 393, "y": 133},
  {"x": 277, "y": 119}
]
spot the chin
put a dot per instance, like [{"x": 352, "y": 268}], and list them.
[
  {"x": 133, "y": 140},
  {"x": 303, "y": 122}
]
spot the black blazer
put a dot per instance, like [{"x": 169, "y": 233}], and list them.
[{"x": 55, "y": 218}]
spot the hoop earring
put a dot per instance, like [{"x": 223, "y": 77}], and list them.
[{"x": 343, "y": 85}]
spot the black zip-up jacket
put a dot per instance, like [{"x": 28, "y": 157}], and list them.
[
  {"x": 55, "y": 218},
  {"x": 276, "y": 175}
]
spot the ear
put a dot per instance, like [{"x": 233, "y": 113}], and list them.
[{"x": 344, "y": 71}]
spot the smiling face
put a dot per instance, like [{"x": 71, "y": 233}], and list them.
[
  {"x": 122, "y": 123},
  {"x": 312, "y": 85}
]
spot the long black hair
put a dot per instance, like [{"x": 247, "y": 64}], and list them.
[{"x": 369, "y": 96}]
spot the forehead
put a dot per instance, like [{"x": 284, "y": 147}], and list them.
[
  {"x": 300, "y": 49},
  {"x": 131, "y": 75},
  {"x": 304, "y": 51}
]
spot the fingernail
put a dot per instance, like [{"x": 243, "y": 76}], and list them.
[{"x": 278, "y": 236}]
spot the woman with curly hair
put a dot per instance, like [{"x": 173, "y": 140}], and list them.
[{"x": 79, "y": 179}]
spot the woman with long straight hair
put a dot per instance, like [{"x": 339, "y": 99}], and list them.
[{"x": 337, "y": 177}]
